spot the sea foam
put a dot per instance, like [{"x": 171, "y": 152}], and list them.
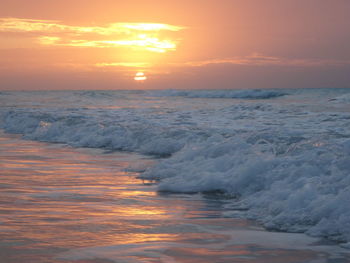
[{"x": 285, "y": 164}]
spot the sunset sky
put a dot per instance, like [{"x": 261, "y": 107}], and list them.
[{"x": 202, "y": 44}]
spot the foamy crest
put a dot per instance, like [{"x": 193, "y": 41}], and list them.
[
  {"x": 285, "y": 163},
  {"x": 305, "y": 188}
]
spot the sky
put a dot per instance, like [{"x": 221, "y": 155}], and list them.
[{"x": 174, "y": 44}]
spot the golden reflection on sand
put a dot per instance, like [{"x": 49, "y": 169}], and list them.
[
  {"x": 73, "y": 198},
  {"x": 62, "y": 205}
]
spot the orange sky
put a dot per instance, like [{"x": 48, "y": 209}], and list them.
[{"x": 188, "y": 44}]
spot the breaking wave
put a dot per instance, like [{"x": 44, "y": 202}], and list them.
[
  {"x": 306, "y": 188},
  {"x": 345, "y": 98},
  {"x": 283, "y": 165},
  {"x": 230, "y": 94}
]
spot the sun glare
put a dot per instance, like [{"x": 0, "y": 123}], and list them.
[{"x": 140, "y": 76}]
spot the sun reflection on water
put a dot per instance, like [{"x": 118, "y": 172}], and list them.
[{"x": 60, "y": 205}]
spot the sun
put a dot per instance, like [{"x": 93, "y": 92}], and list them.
[{"x": 140, "y": 77}]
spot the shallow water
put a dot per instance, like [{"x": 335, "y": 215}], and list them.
[{"x": 59, "y": 204}]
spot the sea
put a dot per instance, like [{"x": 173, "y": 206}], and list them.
[{"x": 155, "y": 176}]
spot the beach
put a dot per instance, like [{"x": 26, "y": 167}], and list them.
[{"x": 173, "y": 173}]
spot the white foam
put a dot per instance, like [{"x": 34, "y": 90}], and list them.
[
  {"x": 345, "y": 98},
  {"x": 299, "y": 190},
  {"x": 285, "y": 161}
]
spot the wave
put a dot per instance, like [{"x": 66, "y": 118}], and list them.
[
  {"x": 345, "y": 98},
  {"x": 215, "y": 94},
  {"x": 284, "y": 166},
  {"x": 93, "y": 94},
  {"x": 304, "y": 189},
  {"x": 125, "y": 132}
]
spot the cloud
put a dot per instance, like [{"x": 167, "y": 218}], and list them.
[
  {"x": 141, "y": 42},
  {"x": 140, "y": 36},
  {"x": 124, "y": 64},
  {"x": 44, "y": 26},
  {"x": 257, "y": 59}
]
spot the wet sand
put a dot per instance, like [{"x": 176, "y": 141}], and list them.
[{"x": 59, "y": 204}]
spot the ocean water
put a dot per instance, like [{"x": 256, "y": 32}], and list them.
[{"x": 280, "y": 158}]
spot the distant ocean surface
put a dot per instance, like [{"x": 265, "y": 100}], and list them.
[{"x": 283, "y": 156}]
